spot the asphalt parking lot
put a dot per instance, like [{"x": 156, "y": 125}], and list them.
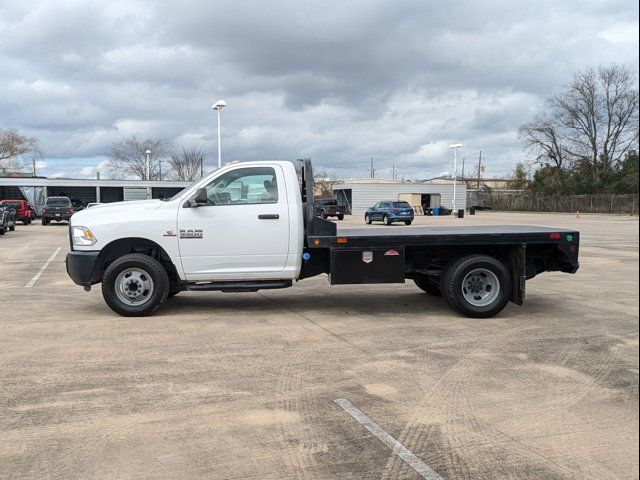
[{"x": 241, "y": 386}]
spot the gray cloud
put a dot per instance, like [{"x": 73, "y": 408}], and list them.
[{"x": 339, "y": 82}]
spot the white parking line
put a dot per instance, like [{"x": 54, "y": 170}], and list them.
[
  {"x": 409, "y": 458},
  {"x": 35, "y": 278}
]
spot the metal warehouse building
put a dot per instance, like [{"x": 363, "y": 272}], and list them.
[
  {"x": 36, "y": 189},
  {"x": 358, "y": 195}
]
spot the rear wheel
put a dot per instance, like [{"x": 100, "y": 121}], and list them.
[
  {"x": 45, "y": 222},
  {"x": 340, "y": 217},
  {"x": 135, "y": 285},
  {"x": 407, "y": 222},
  {"x": 478, "y": 286},
  {"x": 324, "y": 215},
  {"x": 427, "y": 284},
  {"x": 25, "y": 221},
  {"x": 386, "y": 220}
]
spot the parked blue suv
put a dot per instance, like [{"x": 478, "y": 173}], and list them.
[{"x": 390, "y": 211}]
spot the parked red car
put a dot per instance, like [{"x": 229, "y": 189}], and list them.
[{"x": 24, "y": 212}]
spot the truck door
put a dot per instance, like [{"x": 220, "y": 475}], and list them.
[{"x": 242, "y": 232}]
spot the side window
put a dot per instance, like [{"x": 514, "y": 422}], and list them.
[
  {"x": 377, "y": 205},
  {"x": 244, "y": 186}
]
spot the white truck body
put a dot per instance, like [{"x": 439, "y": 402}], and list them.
[{"x": 212, "y": 242}]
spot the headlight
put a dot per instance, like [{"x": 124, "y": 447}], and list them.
[{"x": 83, "y": 237}]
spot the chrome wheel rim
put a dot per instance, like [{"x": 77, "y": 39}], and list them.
[
  {"x": 134, "y": 286},
  {"x": 480, "y": 287}
]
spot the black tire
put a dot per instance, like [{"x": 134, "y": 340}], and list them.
[
  {"x": 323, "y": 215},
  {"x": 427, "y": 284},
  {"x": 45, "y": 222},
  {"x": 367, "y": 219},
  {"x": 452, "y": 285},
  {"x": 385, "y": 220},
  {"x": 25, "y": 222},
  {"x": 407, "y": 222},
  {"x": 149, "y": 265},
  {"x": 340, "y": 217},
  {"x": 2, "y": 230},
  {"x": 13, "y": 227}
]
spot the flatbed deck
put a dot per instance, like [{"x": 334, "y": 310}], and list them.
[{"x": 463, "y": 235}]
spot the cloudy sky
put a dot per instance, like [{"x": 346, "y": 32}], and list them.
[{"x": 336, "y": 81}]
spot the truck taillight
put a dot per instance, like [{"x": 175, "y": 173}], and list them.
[
  {"x": 69, "y": 210},
  {"x": 554, "y": 236}
]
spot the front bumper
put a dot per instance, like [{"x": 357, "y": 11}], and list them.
[{"x": 81, "y": 267}]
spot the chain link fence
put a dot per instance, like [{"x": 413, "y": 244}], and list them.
[{"x": 517, "y": 200}]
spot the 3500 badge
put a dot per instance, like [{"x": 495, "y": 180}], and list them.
[{"x": 191, "y": 233}]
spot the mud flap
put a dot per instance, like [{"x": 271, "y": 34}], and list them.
[{"x": 518, "y": 260}]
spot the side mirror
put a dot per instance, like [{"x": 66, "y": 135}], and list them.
[{"x": 200, "y": 198}]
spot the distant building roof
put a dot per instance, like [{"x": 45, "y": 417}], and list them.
[{"x": 5, "y": 174}]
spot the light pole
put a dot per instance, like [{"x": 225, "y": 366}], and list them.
[
  {"x": 147, "y": 169},
  {"x": 219, "y": 105},
  {"x": 147, "y": 165},
  {"x": 455, "y": 148}
]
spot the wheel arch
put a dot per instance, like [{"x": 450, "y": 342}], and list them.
[{"x": 124, "y": 246}]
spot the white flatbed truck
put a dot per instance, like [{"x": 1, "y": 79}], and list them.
[{"x": 250, "y": 226}]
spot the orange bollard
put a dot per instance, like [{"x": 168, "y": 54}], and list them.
[{"x": 577, "y": 213}]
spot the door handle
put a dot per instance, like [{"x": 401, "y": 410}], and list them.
[{"x": 268, "y": 216}]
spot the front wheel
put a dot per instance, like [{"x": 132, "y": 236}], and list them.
[
  {"x": 478, "y": 286},
  {"x": 367, "y": 219},
  {"x": 45, "y": 222},
  {"x": 407, "y": 222},
  {"x": 135, "y": 285},
  {"x": 340, "y": 217}
]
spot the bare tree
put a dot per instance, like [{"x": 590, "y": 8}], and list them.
[
  {"x": 323, "y": 183},
  {"x": 128, "y": 159},
  {"x": 595, "y": 118},
  {"x": 17, "y": 149},
  {"x": 187, "y": 164},
  {"x": 543, "y": 139}
]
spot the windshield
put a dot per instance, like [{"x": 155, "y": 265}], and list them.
[
  {"x": 58, "y": 201},
  {"x": 401, "y": 205}
]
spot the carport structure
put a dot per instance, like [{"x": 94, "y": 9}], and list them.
[{"x": 36, "y": 189}]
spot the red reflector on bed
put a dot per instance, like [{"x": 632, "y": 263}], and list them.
[{"x": 554, "y": 236}]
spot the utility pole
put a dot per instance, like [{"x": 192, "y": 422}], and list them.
[
  {"x": 463, "y": 159},
  {"x": 393, "y": 171},
  {"x": 160, "y": 165},
  {"x": 373, "y": 170},
  {"x": 34, "y": 166},
  {"x": 479, "y": 168}
]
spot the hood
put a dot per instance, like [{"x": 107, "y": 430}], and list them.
[{"x": 100, "y": 213}]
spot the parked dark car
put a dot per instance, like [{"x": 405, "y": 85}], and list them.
[
  {"x": 56, "y": 208},
  {"x": 328, "y": 207},
  {"x": 7, "y": 219},
  {"x": 390, "y": 211},
  {"x": 77, "y": 204}
]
